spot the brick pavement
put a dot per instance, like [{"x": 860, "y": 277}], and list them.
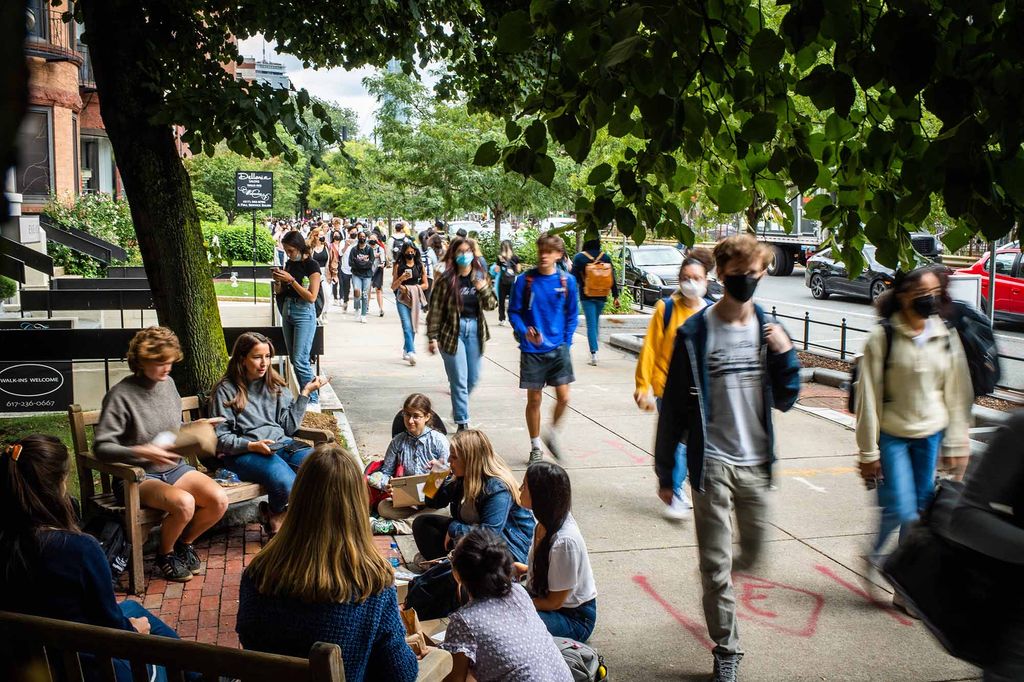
[{"x": 204, "y": 608}]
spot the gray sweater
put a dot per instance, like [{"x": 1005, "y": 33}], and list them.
[
  {"x": 266, "y": 416},
  {"x": 134, "y": 411}
]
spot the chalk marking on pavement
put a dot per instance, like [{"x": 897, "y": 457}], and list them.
[
  {"x": 816, "y": 488},
  {"x": 599, "y": 387},
  {"x": 816, "y": 472},
  {"x": 825, "y": 570},
  {"x": 752, "y": 588},
  {"x": 692, "y": 626}
]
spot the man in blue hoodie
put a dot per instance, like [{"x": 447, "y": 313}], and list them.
[
  {"x": 730, "y": 367},
  {"x": 543, "y": 309}
]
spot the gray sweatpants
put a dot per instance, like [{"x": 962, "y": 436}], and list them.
[{"x": 728, "y": 487}]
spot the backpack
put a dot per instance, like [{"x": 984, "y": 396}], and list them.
[
  {"x": 597, "y": 277},
  {"x": 585, "y": 664},
  {"x": 397, "y": 244},
  {"x": 979, "y": 346},
  {"x": 111, "y": 536},
  {"x": 563, "y": 282}
]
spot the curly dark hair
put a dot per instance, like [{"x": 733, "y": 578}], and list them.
[{"x": 484, "y": 564}]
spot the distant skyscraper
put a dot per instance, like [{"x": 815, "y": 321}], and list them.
[
  {"x": 271, "y": 73},
  {"x": 401, "y": 111}
]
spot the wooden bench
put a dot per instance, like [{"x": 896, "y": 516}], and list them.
[
  {"x": 46, "y": 649},
  {"x": 138, "y": 520}
]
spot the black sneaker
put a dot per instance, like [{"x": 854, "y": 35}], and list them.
[
  {"x": 172, "y": 568},
  {"x": 187, "y": 555},
  {"x": 727, "y": 668}
]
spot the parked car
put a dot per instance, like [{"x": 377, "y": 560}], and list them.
[
  {"x": 654, "y": 269},
  {"x": 1009, "y": 284},
  {"x": 928, "y": 245},
  {"x": 555, "y": 223},
  {"x": 825, "y": 276}
]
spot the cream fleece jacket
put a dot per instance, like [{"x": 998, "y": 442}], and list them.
[{"x": 926, "y": 389}]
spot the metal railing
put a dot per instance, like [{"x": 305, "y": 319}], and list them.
[{"x": 49, "y": 36}]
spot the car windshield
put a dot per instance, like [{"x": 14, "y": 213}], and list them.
[{"x": 657, "y": 255}]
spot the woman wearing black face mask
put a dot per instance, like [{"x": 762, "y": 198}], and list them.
[
  {"x": 913, "y": 396},
  {"x": 409, "y": 284}
]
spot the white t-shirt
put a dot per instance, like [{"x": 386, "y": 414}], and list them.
[
  {"x": 568, "y": 566},
  {"x": 736, "y": 433},
  {"x": 346, "y": 267}
]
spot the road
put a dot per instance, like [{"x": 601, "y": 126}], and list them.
[{"x": 792, "y": 298}]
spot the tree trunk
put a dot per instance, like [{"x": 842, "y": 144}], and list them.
[
  {"x": 158, "y": 189},
  {"x": 498, "y": 213}
]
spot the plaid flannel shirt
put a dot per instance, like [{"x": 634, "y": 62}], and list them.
[{"x": 443, "y": 316}]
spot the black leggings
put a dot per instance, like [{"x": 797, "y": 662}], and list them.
[
  {"x": 345, "y": 283},
  {"x": 429, "y": 531},
  {"x": 504, "y": 291}
]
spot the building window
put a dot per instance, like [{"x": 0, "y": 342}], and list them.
[
  {"x": 34, "y": 176},
  {"x": 38, "y": 20}
]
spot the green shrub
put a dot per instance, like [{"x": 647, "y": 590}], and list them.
[
  {"x": 8, "y": 287},
  {"x": 236, "y": 241},
  {"x": 100, "y": 215},
  {"x": 208, "y": 208}
]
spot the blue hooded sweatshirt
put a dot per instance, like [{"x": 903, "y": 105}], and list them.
[{"x": 552, "y": 308}]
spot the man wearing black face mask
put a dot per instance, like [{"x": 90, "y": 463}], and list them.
[{"x": 730, "y": 367}]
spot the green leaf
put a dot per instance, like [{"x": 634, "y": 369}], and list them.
[
  {"x": 957, "y": 238},
  {"x": 766, "y": 50},
  {"x": 838, "y": 128},
  {"x": 512, "y": 130},
  {"x": 515, "y": 33},
  {"x": 683, "y": 178},
  {"x": 487, "y": 154},
  {"x": 759, "y": 128},
  {"x": 814, "y": 207},
  {"x": 731, "y": 198},
  {"x": 536, "y": 135},
  {"x": 543, "y": 169},
  {"x": 599, "y": 174},
  {"x": 803, "y": 170},
  {"x": 625, "y": 221},
  {"x": 604, "y": 210},
  {"x": 621, "y": 51}
]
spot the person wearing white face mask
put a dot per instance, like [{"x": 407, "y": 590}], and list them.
[{"x": 652, "y": 366}]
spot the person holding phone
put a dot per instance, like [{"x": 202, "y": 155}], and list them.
[
  {"x": 409, "y": 282},
  {"x": 254, "y": 439},
  {"x": 360, "y": 259},
  {"x": 297, "y": 301}
]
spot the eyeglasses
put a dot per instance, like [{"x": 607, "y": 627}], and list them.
[{"x": 416, "y": 416}]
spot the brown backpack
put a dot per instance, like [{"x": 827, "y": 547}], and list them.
[{"x": 597, "y": 277}]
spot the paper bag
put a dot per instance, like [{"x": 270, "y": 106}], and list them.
[
  {"x": 414, "y": 630},
  {"x": 195, "y": 441}
]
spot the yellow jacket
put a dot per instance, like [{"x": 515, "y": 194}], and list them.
[
  {"x": 926, "y": 389},
  {"x": 656, "y": 354}
]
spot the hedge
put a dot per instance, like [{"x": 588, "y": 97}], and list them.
[
  {"x": 236, "y": 241},
  {"x": 8, "y": 288}
]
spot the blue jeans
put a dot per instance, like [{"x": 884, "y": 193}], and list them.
[
  {"x": 408, "y": 331},
  {"x": 592, "y": 312},
  {"x": 463, "y": 368},
  {"x": 279, "y": 257},
  {"x": 362, "y": 286},
  {"x": 275, "y": 472},
  {"x": 679, "y": 473},
  {"x": 122, "y": 669},
  {"x": 575, "y": 623},
  {"x": 908, "y": 471},
  {"x": 298, "y": 322}
]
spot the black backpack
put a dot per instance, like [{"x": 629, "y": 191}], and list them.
[
  {"x": 979, "y": 346},
  {"x": 111, "y": 536}
]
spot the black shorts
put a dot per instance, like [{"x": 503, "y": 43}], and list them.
[
  {"x": 554, "y": 368},
  {"x": 378, "y": 279}
]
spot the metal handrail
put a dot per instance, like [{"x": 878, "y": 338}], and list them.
[{"x": 49, "y": 36}]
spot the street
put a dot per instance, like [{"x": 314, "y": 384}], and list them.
[{"x": 792, "y": 298}]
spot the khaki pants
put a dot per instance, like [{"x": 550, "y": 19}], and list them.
[{"x": 728, "y": 487}]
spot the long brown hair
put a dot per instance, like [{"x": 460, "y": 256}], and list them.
[
  {"x": 451, "y": 270},
  {"x": 236, "y": 376},
  {"x": 324, "y": 551},
  {"x": 480, "y": 461},
  {"x": 551, "y": 498},
  {"x": 33, "y": 497}
]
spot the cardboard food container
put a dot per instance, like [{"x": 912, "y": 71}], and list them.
[{"x": 195, "y": 441}]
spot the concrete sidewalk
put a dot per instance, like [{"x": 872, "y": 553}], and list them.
[{"x": 803, "y": 615}]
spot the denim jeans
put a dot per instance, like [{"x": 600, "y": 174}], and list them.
[
  {"x": 345, "y": 281},
  {"x": 279, "y": 257},
  {"x": 679, "y": 473},
  {"x": 463, "y": 368},
  {"x": 275, "y": 472},
  {"x": 362, "y": 285},
  {"x": 575, "y": 623},
  {"x": 408, "y": 331},
  {"x": 298, "y": 322},
  {"x": 908, "y": 473},
  {"x": 122, "y": 669},
  {"x": 592, "y": 312}
]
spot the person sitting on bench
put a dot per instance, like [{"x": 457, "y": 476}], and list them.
[
  {"x": 140, "y": 416},
  {"x": 254, "y": 440},
  {"x": 49, "y": 567},
  {"x": 321, "y": 581}
]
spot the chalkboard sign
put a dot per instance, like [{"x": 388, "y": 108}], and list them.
[
  {"x": 35, "y": 386},
  {"x": 254, "y": 190},
  {"x": 36, "y": 324}
]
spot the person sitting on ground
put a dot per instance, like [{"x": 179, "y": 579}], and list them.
[
  {"x": 411, "y": 453},
  {"x": 497, "y": 636},
  {"x": 326, "y": 582},
  {"x": 558, "y": 574},
  {"x": 482, "y": 493},
  {"x": 254, "y": 440},
  {"x": 49, "y": 567},
  {"x": 139, "y": 420}
]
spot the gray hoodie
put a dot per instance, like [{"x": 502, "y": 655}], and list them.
[{"x": 266, "y": 416}]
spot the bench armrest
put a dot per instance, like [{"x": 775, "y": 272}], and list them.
[
  {"x": 126, "y": 472},
  {"x": 315, "y": 435}
]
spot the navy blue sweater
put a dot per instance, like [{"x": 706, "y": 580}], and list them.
[{"x": 371, "y": 634}]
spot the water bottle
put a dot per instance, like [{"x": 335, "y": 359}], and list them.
[{"x": 394, "y": 555}]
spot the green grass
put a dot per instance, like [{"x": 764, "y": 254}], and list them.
[
  {"x": 244, "y": 289},
  {"x": 16, "y": 428},
  {"x": 241, "y": 263}
]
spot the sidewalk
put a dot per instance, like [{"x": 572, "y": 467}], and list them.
[{"x": 803, "y": 615}]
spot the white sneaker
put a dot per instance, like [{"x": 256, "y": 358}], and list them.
[
  {"x": 412, "y": 359},
  {"x": 501, "y": 323},
  {"x": 593, "y": 359},
  {"x": 344, "y": 307},
  {"x": 405, "y": 356},
  {"x": 362, "y": 319},
  {"x": 680, "y": 509}
]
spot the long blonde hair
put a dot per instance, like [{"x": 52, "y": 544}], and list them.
[
  {"x": 480, "y": 462},
  {"x": 324, "y": 551}
]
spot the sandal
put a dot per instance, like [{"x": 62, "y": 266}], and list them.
[{"x": 263, "y": 516}]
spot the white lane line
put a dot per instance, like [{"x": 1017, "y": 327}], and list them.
[{"x": 816, "y": 488}]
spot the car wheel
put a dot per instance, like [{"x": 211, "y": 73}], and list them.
[
  {"x": 818, "y": 287},
  {"x": 878, "y": 287}
]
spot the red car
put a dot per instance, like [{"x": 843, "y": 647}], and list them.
[{"x": 1009, "y": 283}]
